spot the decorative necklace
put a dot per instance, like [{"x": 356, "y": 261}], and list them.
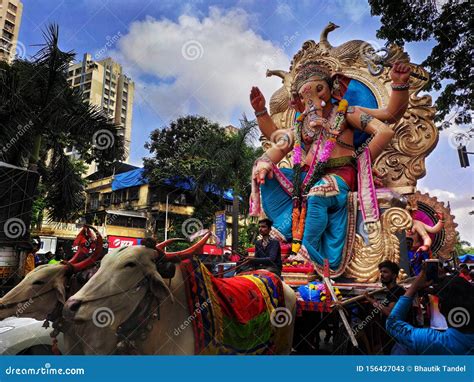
[{"x": 301, "y": 189}]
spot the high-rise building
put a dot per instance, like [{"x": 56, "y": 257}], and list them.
[
  {"x": 104, "y": 84},
  {"x": 10, "y": 20}
]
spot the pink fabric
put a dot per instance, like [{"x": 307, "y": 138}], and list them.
[{"x": 370, "y": 211}]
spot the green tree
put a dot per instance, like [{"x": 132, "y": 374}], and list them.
[
  {"x": 41, "y": 115},
  {"x": 462, "y": 246},
  {"x": 450, "y": 61},
  {"x": 210, "y": 158}
]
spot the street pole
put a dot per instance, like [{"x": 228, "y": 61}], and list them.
[
  {"x": 166, "y": 216},
  {"x": 166, "y": 211}
]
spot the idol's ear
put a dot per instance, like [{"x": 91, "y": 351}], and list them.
[{"x": 339, "y": 85}]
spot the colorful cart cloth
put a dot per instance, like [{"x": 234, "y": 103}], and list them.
[{"x": 232, "y": 315}]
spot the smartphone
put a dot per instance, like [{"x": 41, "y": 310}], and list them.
[{"x": 432, "y": 270}]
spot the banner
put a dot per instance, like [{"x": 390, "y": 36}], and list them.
[
  {"x": 120, "y": 241},
  {"x": 224, "y": 368},
  {"x": 221, "y": 228}
]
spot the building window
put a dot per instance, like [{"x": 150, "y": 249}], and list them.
[
  {"x": 11, "y": 17},
  {"x": 86, "y": 95},
  {"x": 123, "y": 120},
  {"x": 7, "y": 35},
  {"x": 77, "y": 80},
  {"x": 117, "y": 197},
  {"x": 10, "y": 27},
  {"x": 88, "y": 77},
  {"x": 94, "y": 201},
  {"x": 134, "y": 193},
  {"x": 78, "y": 71},
  {"x": 71, "y": 73},
  {"x": 107, "y": 82},
  {"x": 106, "y": 199},
  {"x": 87, "y": 86},
  {"x": 12, "y": 7}
]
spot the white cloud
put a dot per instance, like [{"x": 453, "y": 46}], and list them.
[
  {"x": 203, "y": 65},
  {"x": 356, "y": 10},
  {"x": 461, "y": 205}
]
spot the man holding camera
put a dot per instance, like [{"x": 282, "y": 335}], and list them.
[{"x": 456, "y": 303}]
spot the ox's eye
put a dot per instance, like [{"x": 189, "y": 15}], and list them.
[
  {"x": 39, "y": 282},
  {"x": 130, "y": 265}
]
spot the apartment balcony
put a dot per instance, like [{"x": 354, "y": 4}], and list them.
[
  {"x": 9, "y": 28},
  {"x": 11, "y": 17},
  {"x": 12, "y": 8}
]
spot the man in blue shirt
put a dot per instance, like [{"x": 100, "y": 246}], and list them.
[{"x": 456, "y": 303}]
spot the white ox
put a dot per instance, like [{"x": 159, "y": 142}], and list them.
[{"x": 40, "y": 295}]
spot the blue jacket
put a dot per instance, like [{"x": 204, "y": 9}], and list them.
[{"x": 426, "y": 340}]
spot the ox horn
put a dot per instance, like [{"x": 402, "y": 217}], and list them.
[
  {"x": 84, "y": 264},
  {"x": 184, "y": 254}
]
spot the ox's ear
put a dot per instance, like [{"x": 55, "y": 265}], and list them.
[
  {"x": 158, "y": 286},
  {"x": 60, "y": 287}
]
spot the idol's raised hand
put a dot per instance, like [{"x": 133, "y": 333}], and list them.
[
  {"x": 400, "y": 72},
  {"x": 257, "y": 100}
]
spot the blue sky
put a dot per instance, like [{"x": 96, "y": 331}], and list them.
[{"x": 229, "y": 45}]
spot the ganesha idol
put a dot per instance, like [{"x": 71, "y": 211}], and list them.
[{"x": 308, "y": 202}]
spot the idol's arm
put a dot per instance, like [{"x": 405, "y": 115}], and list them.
[
  {"x": 397, "y": 105},
  {"x": 280, "y": 148},
  {"x": 382, "y": 133},
  {"x": 398, "y": 102},
  {"x": 438, "y": 226},
  {"x": 420, "y": 228},
  {"x": 266, "y": 125},
  {"x": 265, "y": 122}
]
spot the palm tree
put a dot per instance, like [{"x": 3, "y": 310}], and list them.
[
  {"x": 238, "y": 156},
  {"x": 41, "y": 115}
]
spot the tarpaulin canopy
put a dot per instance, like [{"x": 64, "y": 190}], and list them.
[
  {"x": 467, "y": 258},
  {"x": 129, "y": 179},
  {"x": 136, "y": 178}
]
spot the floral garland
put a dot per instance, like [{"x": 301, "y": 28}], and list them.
[{"x": 299, "y": 194}]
